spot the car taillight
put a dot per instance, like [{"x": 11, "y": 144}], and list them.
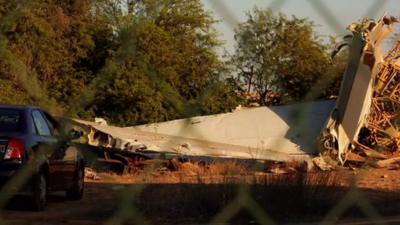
[{"x": 15, "y": 149}]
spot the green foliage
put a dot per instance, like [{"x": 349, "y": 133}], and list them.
[
  {"x": 128, "y": 97},
  {"x": 141, "y": 61},
  {"x": 12, "y": 94},
  {"x": 330, "y": 84},
  {"x": 51, "y": 40},
  {"x": 221, "y": 97},
  {"x": 277, "y": 54},
  {"x": 165, "y": 66},
  {"x": 131, "y": 62}
]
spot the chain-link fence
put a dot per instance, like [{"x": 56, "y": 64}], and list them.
[{"x": 250, "y": 199}]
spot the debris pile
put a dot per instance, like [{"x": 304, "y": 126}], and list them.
[
  {"x": 91, "y": 174},
  {"x": 382, "y": 131},
  {"x": 365, "y": 124},
  {"x": 247, "y": 135}
]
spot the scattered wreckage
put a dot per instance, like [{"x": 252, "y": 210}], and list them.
[
  {"x": 363, "y": 123},
  {"x": 252, "y": 136}
]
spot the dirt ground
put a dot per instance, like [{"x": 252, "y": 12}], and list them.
[{"x": 103, "y": 197}]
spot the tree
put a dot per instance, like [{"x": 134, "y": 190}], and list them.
[
  {"x": 129, "y": 61},
  {"x": 277, "y": 54},
  {"x": 165, "y": 65},
  {"x": 331, "y": 81},
  {"x": 56, "y": 43}
]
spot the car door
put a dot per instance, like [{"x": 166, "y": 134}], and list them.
[
  {"x": 43, "y": 133},
  {"x": 63, "y": 162},
  {"x": 60, "y": 170}
]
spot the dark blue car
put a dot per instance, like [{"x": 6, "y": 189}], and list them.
[{"x": 34, "y": 147}]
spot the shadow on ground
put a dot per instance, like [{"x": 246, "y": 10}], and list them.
[{"x": 198, "y": 204}]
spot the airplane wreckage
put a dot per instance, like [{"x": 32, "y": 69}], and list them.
[{"x": 363, "y": 123}]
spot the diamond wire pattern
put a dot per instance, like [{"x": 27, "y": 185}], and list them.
[
  {"x": 354, "y": 197},
  {"x": 244, "y": 199}
]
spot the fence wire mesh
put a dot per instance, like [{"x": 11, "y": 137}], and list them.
[{"x": 126, "y": 210}]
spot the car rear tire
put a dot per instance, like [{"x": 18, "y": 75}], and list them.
[
  {"x": 39, "y": 192},
  {"x": 76, "y": 191}
]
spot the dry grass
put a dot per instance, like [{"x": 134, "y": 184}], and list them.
[
  {"x": 284, "y": 197},
  {"x": 227, "y": 169},
  {"x": 194, "y": 193},
  {"x": 173, "y": 171}
]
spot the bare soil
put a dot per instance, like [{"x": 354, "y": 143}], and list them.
[{"x": 184, "y": 198}]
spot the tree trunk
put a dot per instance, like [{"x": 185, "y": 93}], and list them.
[
  {"x": 263, "y": 96},
  {"x": 249, "y": 84}
]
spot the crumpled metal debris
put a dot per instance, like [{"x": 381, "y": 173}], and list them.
[
  {"x": 366, "y": 118},
  {"x": 265, "y": 133},
  {"x": 387, "y": 162},
  {"x": 323, "y": 163},
  {"x": 91, "y": 174},
  {"x": 101, "y": 134},
  {"x": 100, "y": 121}
]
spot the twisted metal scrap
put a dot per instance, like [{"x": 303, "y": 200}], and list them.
[
  {"x": 382, "y": 131},
  {"x": 365, "y": 117}
]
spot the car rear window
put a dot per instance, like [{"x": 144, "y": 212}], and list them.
[{"x": 11, "y": 120}]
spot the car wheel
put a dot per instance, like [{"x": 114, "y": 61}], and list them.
[
  {"x": 39, "y": 192},
  {"x": 76, "y": 191}
]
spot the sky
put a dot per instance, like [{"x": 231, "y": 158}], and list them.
[{"x": 345, "y": 12}]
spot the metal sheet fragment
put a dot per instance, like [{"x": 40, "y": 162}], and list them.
[
  {"x": 355, "y": 104},
  {"x": 265, "y": 133}
]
